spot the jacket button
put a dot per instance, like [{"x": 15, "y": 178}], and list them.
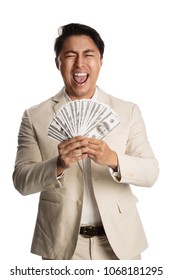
[
  {"x": 95, "y": 179},
  {"x": 79, "y": 203},
  {"x": 79, "y": 174},
  {"x": 51, "y": 186}
]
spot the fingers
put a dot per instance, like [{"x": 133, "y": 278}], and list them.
[
  {"x": 79, "y": 147},
  {"x": 96, "y": 146},
  {"x": 72, "y": 150},
  {"x": 74, "y": 146},
  {"x": 75, "y": 140},
  {"x": 100, "y": 152}
]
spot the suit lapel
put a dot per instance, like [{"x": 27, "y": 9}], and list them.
[
  {"x": 60, "y": 101},
  {"x": 103, "y": 97}
]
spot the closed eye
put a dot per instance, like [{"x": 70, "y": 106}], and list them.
[
  {"x": 89, "y": 53},
  {"x": 70, "y": 54}
]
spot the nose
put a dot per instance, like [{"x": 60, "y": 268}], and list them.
[{"x": 79, "y": 62}]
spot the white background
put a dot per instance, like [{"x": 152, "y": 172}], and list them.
[{"x": 138, "y": 66}]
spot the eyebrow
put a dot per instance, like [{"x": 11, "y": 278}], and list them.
[
  {"x": 89, "y": 50},
  {"x": 86, "y": 51}
]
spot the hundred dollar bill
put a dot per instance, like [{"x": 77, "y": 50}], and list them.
[
  {"x": 85, "y": 117},
  {"x": 101, "y": 128}
]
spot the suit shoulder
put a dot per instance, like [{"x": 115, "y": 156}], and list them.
[
  {"x": 40, "y": 106},
  {"x": 45, "y": 105},
  {"x": 121, "y": 102},
  {"x": 113, "y": 101},
  {"x": 126, "y": 110}
]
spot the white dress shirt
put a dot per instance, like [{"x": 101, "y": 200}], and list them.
[{"x": 90, "y": 211}]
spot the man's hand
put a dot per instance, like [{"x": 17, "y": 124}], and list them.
[
  {"x": 100, "y": 152},
  {"x": 80, "y": 147},
  {"x": 70, "y": 151}
]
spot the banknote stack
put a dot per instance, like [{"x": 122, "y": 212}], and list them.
[{"x": 85, "y": 117}]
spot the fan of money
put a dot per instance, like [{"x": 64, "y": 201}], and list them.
[{"x": 84, "y": 117}]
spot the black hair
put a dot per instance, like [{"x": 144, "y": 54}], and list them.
[{"x": 77, "y": 29}]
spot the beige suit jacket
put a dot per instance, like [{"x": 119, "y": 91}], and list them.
[{"x": 60, "y": 204}]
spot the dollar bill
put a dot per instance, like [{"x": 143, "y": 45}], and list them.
[{"x": 85, "y": 117}]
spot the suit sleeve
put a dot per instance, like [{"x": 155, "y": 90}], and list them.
[
  {"x": 32, "y": 174},
  {"x": 138, "y": 165}
]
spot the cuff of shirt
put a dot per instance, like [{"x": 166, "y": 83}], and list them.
[
  {"x": 116, "y": 173},
  {"x": 59, "y": 178}
]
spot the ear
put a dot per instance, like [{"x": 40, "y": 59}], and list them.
[{"x": 56, "y": 62}]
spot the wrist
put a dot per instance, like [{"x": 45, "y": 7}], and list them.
[
  {"x": 60, "y": 168},
  {"x": 114, "y": 162}
]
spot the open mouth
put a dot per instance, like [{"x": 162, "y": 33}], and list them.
[{"x": 80, "y": 78}]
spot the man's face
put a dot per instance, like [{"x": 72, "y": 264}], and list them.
[{"x": 79, "y": 63}]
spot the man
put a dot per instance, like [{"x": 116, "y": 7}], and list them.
[{"x": 86, "y": 208}]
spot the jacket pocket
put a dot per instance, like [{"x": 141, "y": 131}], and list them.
[
  {"x": 47, "y": 220},
  {"x": 125, "y": 204}
]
